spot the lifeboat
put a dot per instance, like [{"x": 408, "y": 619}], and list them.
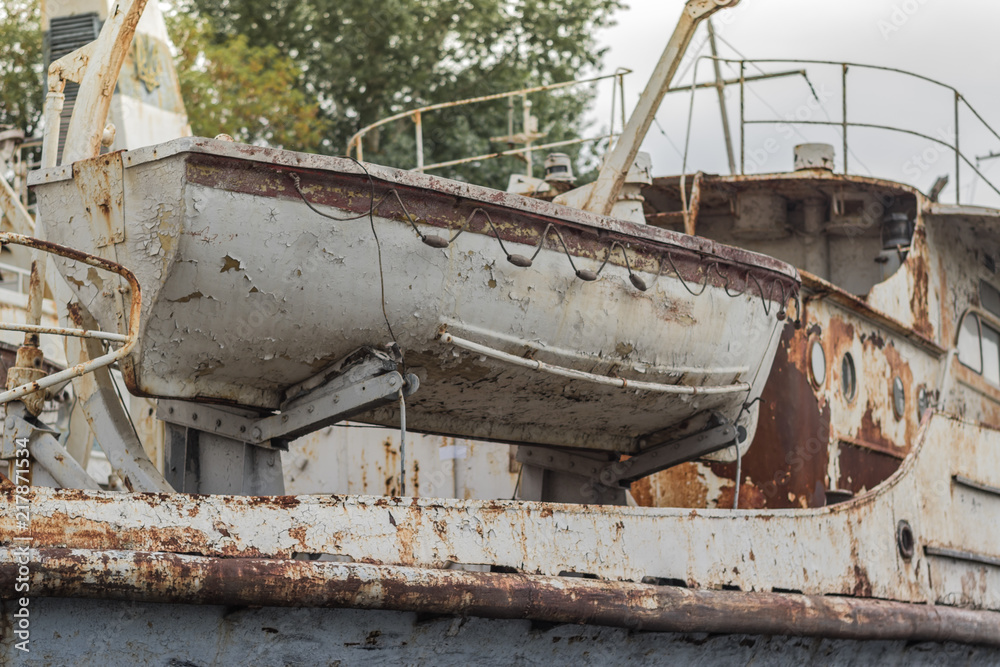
[{"x": 524, "y": 320}]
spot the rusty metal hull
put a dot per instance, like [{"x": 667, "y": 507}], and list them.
[
  {"x": 248, "y": 292},
  {"x": 947, "y": 490},
  {"x": 130, "y": 633},
  {"x": 838, "y": 575}
]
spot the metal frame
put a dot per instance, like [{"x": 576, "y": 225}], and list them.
[
  {"x": 45, "y": 449},
  {"x": 602, "y": 194},
  {"x": 601, "y": 476}
]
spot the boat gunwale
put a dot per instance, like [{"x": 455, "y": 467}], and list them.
[{"x": 558, "y": 213}]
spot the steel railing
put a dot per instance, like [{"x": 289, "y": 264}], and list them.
[
  {"x": 846, "y": 123},
  {"x": 355, "y": 143},
  {"x": 126, "y": 341}
]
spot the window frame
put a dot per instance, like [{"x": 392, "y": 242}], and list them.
[{"x": 983, "y": 318}]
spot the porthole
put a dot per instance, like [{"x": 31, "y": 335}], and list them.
[
  {"x": 848, "y": 377},
  {"x": 817, "y": 363},
  {"x": 904, "y": 539},
  {"x": 898, "y": 397},
  {"x": 923, "y": 402}
]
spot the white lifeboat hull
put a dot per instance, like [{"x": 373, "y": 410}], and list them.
[{"x": 248, "y": 292}]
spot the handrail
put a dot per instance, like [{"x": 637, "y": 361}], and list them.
[
  {"x": 845, "y": 123},
  {"x": 607, "y": 380},
  {"x": 355, "y": 143},
  {"x": 128, "y": 340}
]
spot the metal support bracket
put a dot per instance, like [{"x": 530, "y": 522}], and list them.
[
  {"x": 363, "y": 386},
  {"x": 228, "y": 422},
  {"x": 623, "y": 473},
  {"x": 554, "y": 475},
  {"x": 664, "y": 456},
  {"x": 559, "y": 475},
  {"x": 560, "y": 461},
  {"x": 45, "y": 448}
]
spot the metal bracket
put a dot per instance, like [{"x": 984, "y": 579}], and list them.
[
  {"x": 622, "y": 473},
  {"x": 228, "y": 422},
  {"x": 362, "y": 387},
  {"x": 669, "y": 454},
  {"x": 16, "y": 426},
  {"x": 561, "y": 461},
  {"x": 45, "y": 449}
]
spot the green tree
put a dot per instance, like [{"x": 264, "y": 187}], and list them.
[
  {"x": 21, "y": 81},
  {"x": 253, "y": 93},
  {"x": 362, "y": 61}
]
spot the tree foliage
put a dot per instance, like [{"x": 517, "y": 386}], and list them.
[
  {"x": 363, "y": 61},
  {"x": 253, "y": 93},
  {"x": 21, "y": 77},
  {"x": 307, "y": 74}
]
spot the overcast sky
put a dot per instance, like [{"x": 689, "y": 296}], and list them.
[{"x": 953, "y": 41}]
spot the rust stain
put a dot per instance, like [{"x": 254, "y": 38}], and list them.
[
  {"x": 298, "y": 533},
  {"x": 861, "y": 469},
  {"x": 679, "y": 486},
  {"x": 900, "y": 367},
  {"x": 789, "y": 457},
  {"x": 919, "y": 300}
]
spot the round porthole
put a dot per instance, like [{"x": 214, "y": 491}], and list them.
[
  {"x": 848, "y": 377},
  {"x": 817, "y": 363},
  {"x": 904, "y": 539},
  {"x": 898, "y": 397}
]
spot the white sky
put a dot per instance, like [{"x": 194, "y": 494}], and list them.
[{"x": 953, "y": 41}]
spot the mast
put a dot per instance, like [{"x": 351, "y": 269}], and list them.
[
  {"x": 600, "y": 196},
  {"x": 720, "y": 87}
]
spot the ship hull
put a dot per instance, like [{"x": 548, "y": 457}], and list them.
[{"x": 101, "y": 632}]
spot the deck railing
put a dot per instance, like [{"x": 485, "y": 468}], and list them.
[
  {"x": 355, "y": 144},
  {"x": 845, "y": 123}
]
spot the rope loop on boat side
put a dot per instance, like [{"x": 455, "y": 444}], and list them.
[
  {"x": 636, "y": 281},
  {"x": 704, "y": 284},
  {"x": 587, "y": 275}
]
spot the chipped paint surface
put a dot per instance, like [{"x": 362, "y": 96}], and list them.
[
  {"x": 365, "y": 461},
  {"x": 852, "y": 546}
]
